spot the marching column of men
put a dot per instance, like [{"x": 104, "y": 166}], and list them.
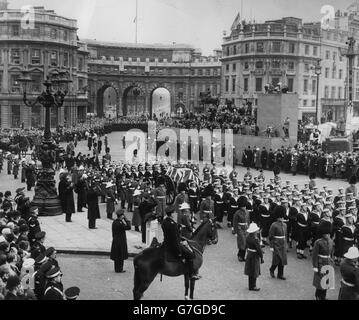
[{"x": 286, "y": 215}]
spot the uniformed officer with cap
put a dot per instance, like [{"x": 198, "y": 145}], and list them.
[
  {"x": 350, "y": 276},
  {"x": 54, "y": 288},
  {"x": 51, "y": 254},
  {"x": 321, "y": 257},
  {"x": 174, "y": 246},
  {"x": 38, "y": 247},
  {"x": 72, "y": 293}
]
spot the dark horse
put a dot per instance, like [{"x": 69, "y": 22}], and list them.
[{"x": 151, "y": 261}]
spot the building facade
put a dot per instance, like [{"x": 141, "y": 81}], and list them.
[
  {"x": 286, "y": 51},
  {"x": 135, "y": 72},
  {"x": 42, "y": 44},
  {"x": 121, "y": 78}
]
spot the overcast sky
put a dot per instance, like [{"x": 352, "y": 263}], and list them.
[{"x": 197, "y": 22}]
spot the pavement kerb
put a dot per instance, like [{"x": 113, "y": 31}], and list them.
[{"x": 90, "y": 253}]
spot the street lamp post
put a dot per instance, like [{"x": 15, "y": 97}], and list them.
[
  {"x": 318, "y": 72},
  {"x": 56, "y": 84}
]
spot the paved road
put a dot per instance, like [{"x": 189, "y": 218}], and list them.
[{"x": 223, "y": 278}]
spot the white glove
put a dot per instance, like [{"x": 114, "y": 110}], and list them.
[
  {"x": 271, "y": 249},
  {"x": 315, "y": 270}
]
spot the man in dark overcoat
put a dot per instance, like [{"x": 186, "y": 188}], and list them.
[
  {"x": 119, "y": 251},
  {"x": 264, "y": 158},
  {"x": 81, "y": 190},
  {"x": 278, "y": 243},
  {"x": 66, "y": 196},
  {"x": 93, "y": 213},
  {"x": 30, "y": 176},
  {"x": 254, "y": 257}
]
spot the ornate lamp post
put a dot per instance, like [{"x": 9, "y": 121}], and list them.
[
  {"x": 318, "y": 72},
  {"x": 56, "y": 84}
]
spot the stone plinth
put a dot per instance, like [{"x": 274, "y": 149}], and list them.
[{"x": 273, "y": 109}]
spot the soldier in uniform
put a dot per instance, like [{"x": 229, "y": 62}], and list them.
[
  {"x": 233, "y": 176},
  {"x": 264, "y": 158},
  {"x": 302, "y": 231},
  {"x": 193, "y": 196},
  {"x": 293, "y": 214},
  {"x": 182, "y": 196},
  {"x": 264, "y": 212},
  {"x": 214, "y": 172},
  {"x": 322, "y": 256},
  {"x": 330, "y": 166},
  {"x": 54, "y": 287},
  {"x": 206, "y": 209},
  {"x": 175, "y": 248},
  {"x": 241, "y": 221},
  {"x": 73, "y": 292},
  {"x": 338, "y": 223},
  {"x": 51, "y": 255},
  {"x": 219, "y": 205},
  {"x": 148, "y": 174},
  {"x": 160, "y": 197},
  {"x": 348, "y": 231},
  {"x": 278, "y": 243},
  {"x": 184, "y": 221},
  {"x": 233, "y": 207},
  {"x": 81, "y": 190},
  {"x": 131, "y": 187},
  {"x": 254, "y": 257},
  {"x": 42, "y": 266},
  {"x": 294, "y": 163},
  {"x": 38, "y": 247},
  {"x": 110, "y": 200},
  {"x": 350, "y": 276},
  {"x": 121, "y": 189}
]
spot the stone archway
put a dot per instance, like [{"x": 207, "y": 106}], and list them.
[
  {"x": 134, "y": 101},
  {"x": 160, "y": 101},
  {"x": 106, "y": 103}
]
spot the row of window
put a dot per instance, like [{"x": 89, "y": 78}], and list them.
[
  {"x": 259, "y": 85},
  {"x": 333, "y": 73},
  {"x": 15, "y": 30},
  {"x": 166, "y": 71},
  {"x": 335, "y": 93},
  {"x": 259, "y": 64},
  {"x": 333, "y": 55},
  {"x": 36, "y": 58},
  {"x": 36, "y": 84},
  {"x": 273, "y": 47}
]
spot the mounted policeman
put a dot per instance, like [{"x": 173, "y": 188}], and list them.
[{"x": 176, "y": 247}]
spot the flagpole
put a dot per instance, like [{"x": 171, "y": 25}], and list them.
[{"x": 136, "y": 19}]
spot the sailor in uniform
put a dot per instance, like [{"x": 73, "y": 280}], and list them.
[{"x": 54, "y": 288}]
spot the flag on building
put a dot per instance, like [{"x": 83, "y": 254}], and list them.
[{"x": 237, "y": 21}]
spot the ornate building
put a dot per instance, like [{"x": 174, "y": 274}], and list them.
[
  {"x": 41, "y": 42},
  {"x": 108, "y": 79},
  {"x": 286, "y": 51},
  {"x": 135, "y": 72}
]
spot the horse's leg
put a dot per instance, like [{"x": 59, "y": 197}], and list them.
[
  {"x": 193, "y": 283},
  {"x": 186, "y": 284},
  {"x": 143, "y": 279}
]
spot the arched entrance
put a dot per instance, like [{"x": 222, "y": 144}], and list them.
[
  {"x": 106, "y": 103},
  {"x": 161, "y": 103},
  {"x": 134, "y": 102}
]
